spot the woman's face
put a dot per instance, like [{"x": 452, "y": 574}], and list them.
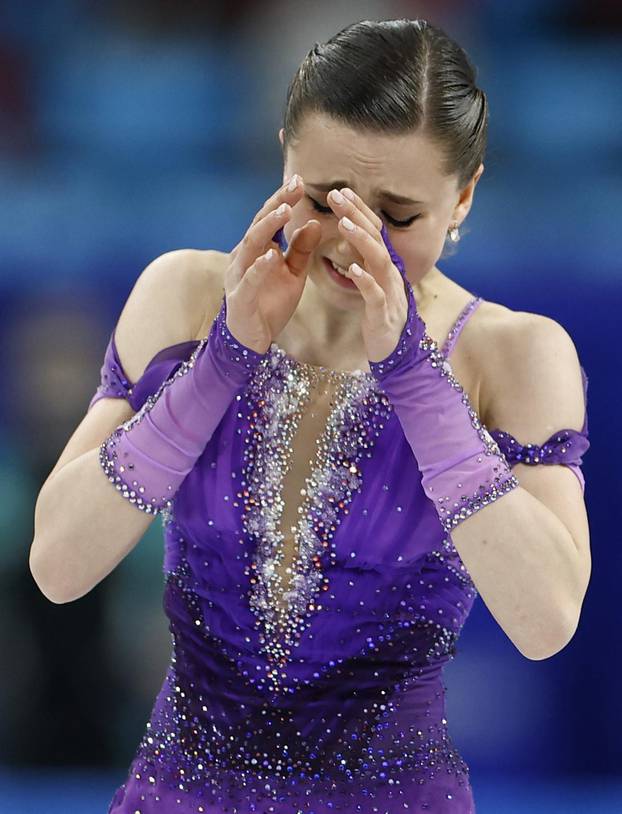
[{"x": 330, "y": 155}]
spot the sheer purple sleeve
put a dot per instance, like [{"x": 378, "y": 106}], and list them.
[
  {"x": 148, "y": 456},
  {"x": 462, "y": 466}
]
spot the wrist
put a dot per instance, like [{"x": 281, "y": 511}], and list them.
[
  {"x": 249, "y": 347},
  {"x": 234, "y": 359},
  {"x": 412, "y": 346},
  {"x": 148, "y": 457}
]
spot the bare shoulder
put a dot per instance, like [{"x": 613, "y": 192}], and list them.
[
  {"x": 201, "y": 273},
  {"x": 502, "y": 335},
  {"x": 172, "y": 297},
  {"x": 209, "y": 288},
  {"x": 169, "y": 303},
  {"x": 524, "y": 360}
]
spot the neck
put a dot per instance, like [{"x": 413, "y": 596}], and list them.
[{"x": 321, "y": 332}]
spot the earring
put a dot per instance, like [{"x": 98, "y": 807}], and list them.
[{"x": 454, "y": 233}]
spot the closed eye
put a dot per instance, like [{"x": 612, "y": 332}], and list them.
[{"x": 399, "y": 223}]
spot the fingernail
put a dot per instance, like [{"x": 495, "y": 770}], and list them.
[
  {"x": 281, "y": 209},
  {"x": 348, "y": 224},
  {"x": 293, "y": 183},
  {"x": 269, "y": 254},
  {"x": 337, "y": 197},
  {"x": 348, "y": 193},
  {"x": 356, "y": 270}
]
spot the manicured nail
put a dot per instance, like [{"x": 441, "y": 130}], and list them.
[
  {"x": 356, "y": 270},
  {"x": 348, "y": 193},
  {"x": 269, "y": 253},
  {"x": 337, "y": 197},
  {"x": 348, "y": 224},
  {"x": 293, "y": 183},
  {"x": 281, "y": 210}
]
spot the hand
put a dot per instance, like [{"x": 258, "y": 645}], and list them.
[
  {"x": 382, "y": 283},
  {"x": 262, "y": 285}
]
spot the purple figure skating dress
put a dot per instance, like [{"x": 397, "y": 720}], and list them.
[{"x": 338, "y": 706}]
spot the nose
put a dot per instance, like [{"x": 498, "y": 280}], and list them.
[{"x": 346, "y": 253}]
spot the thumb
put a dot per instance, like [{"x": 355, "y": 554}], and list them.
[{"x": 303, "y": 242}]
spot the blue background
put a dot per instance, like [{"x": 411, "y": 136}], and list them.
[{"x": 129, "y": 129}]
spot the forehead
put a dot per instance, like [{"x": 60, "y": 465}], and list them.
[{"x": 407, "y": 164}]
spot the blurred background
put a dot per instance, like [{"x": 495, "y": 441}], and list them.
[{"x": 131, "y": 128}]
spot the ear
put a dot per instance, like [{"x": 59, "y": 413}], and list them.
[
  {"x": 281, "y": 135},
  {"x": 466, "y": 196}
]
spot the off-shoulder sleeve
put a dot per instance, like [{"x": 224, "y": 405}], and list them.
[
  {"x": 114, "y": 382},
  {"x": 565, "y": 447}
]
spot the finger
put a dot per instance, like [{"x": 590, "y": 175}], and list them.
[
  {"x": 396, "y": 259},
  {"x": 341, "y": 206},
  {"x": 258, "y": 237},
  {"x": 253, "y": 278},
  {"x": 360, "y": 204},
  {"x": 375, "y": 255},
  {"x": 373, "y": 294},
  {"x": 290, "y": 192},
  {"x": 304, "y": 240}
]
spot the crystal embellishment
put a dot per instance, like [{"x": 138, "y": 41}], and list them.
[{"x": 277, "y": 395}]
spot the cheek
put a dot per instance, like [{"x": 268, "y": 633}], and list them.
[{"x": 420, "y": 249}]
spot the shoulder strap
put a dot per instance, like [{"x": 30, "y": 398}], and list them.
[{"x": 459, "y": 324}]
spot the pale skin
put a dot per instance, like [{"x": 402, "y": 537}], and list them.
[{"x": 528, "y": 553}]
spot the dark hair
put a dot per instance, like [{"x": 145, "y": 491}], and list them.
[{"x": 393, "y": 76}]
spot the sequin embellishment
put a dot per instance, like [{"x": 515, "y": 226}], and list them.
[
  {"x": 486, "y": 493},
  {"x": 414, "y": 339},
  {"x": 456, "y": 328},
  {"x": 362, "y": 727},
  {"x": 277, "y": 395},
  {"x": 237, "y": 361},
  {"x": 120, "y": 475},
  {"x": 113, "y": 383},
  {"x": 557, "y": 446}
]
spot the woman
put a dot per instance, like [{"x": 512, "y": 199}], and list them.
[{"x": 332, "y": 498}]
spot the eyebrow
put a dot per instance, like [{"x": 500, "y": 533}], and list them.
[{"x": 383, "y": 193}]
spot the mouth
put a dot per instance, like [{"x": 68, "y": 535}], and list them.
[{"x": 337, "y": 273}]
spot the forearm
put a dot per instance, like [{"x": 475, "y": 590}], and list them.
[
  {"x": 83, "y": 529},
  {"x": 86, "y": 519},
  {"x": 527, "y": 569},
  {"x": 520, "y": 556},
  {"x": 148, "y": 457}
]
